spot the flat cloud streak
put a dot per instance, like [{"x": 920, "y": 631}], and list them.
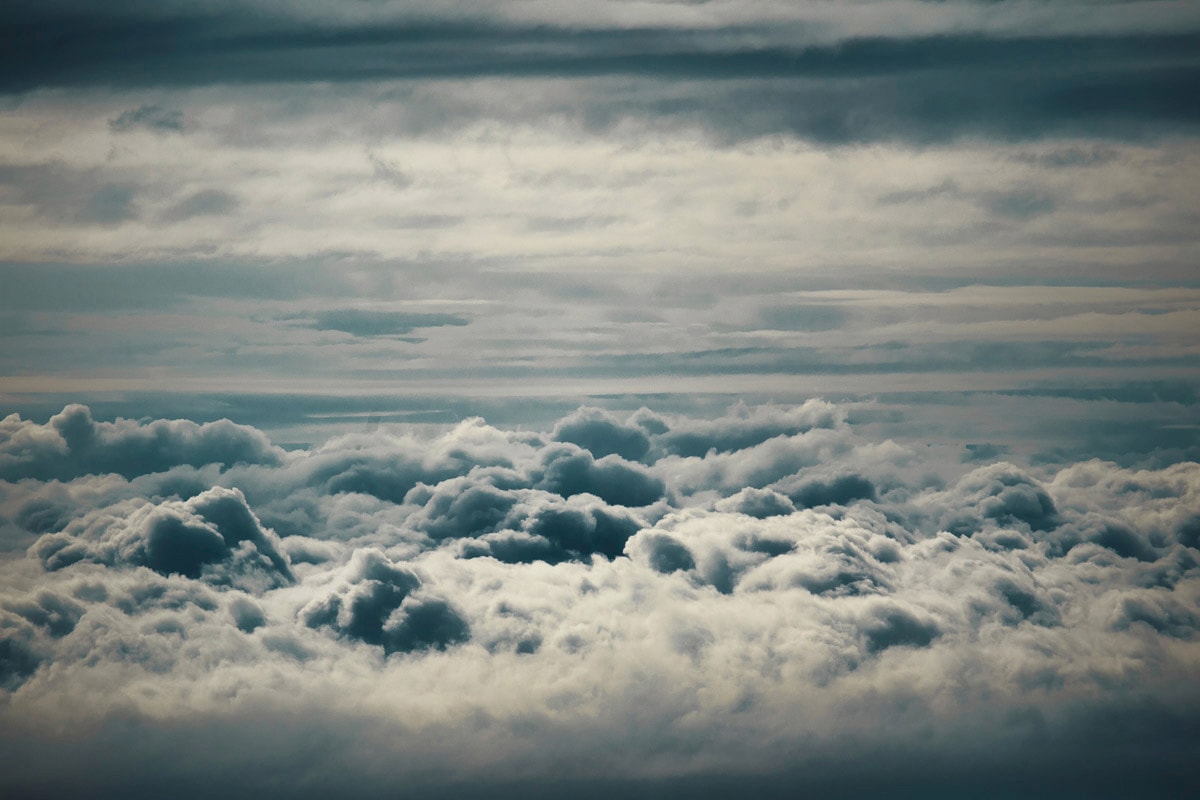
[
  {"x": 654, "y": 601},
  {"x": 856, "y": 88}
]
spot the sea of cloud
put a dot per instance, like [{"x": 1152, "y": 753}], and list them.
[{"x": 643, "y": 597}]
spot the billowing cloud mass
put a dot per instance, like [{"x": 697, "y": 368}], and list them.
[
  {"x": 624, "y": 599},
  {"x": 631, "y": 398}
]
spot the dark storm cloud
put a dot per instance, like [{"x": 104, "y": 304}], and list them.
[{"x": 924, "y": 88}]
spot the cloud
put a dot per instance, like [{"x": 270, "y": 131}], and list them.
[
  {"x": 840, "y": 490},
  {"x": 365, "y": 322},
  {"x": 508, "y": 605},
  {"x": 55, "y": 613},
  {"x": 889, "y": 625},
  {"x": 152, "y": 117},
  {"x": 380, "y": 603},
  {"x": 1000, "y": 494},
  {"x": 759, "y": 503},
  {"x": 602, "y": 434},
  {"x": 744, "y": 427},
  {"x": 213, "y": 536},
  {"x": 205, "y": 203},
  {"x": 60, "y": 193},
  {"x": 569, "y": 470},
  {"x": 863, "y": 85},
  {"x": 71, "y": 443}
]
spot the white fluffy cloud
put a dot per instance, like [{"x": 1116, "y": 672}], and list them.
[{"x": 744, "y": 598}]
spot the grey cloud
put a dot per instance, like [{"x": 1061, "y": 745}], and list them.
[
  {"x": 460, "y": 508},
  {"x": 1013, "y": 204},
  {"x": 246, "y": 615},
  {"x": 1160, "y": 611},
  {"x": 146, "y": 596},
  {"x": 745, "y": 427},
  {"x": 381, "y": 604},
  {"x": 513, "y": 547},
  {"x": 364, "y": 322},
  {"x": 601, "y": 433},
  {"x": 205, "y": 203},
  {"x": 568, "y": 470},
  {"x": 152, "y": 117},
  {"x": 1020, "y": 204},
  {"x": 71, "y": 443},
  {"x": 804, "y": 318},
  {"x": 55, "y": 613},
  {"x": 65, "y": 194},
  {"x": 18, "y": 658},
  {"x": 1000, "y": 493},
  {"x": 111, "y": 204},
  {"x": 1073, "y": 157},
  {"x": 840, "y": 490},
  {"x": 1027, "y": 601},
  {"x": 759, "y": 503},
  {"x": 214, "y": 536},
  {"x": 389, "y": 468},
  {"x": 945, "y": 188},
  {"x": 983, "y": 451},
  {"x": 755, "y": 466},
  {"x": 664, "y": 553},
  {"x": 580, "y": 529},
  {"x": 96, "y": 287},
  {"x": 889, "y": 625},
  {"x": 922, "y": 88},
  {"x": 390, "y": 173},
  {"x": 502, "y": 517}
]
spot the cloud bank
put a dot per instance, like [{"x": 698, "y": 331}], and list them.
[{"x": 649, "y": 603}]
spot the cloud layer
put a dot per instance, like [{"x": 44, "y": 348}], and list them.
[
  {"x": 480, "y": 283},
  {"x": 646, "y": 599}
]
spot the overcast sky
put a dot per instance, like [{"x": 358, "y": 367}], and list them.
[{"x": 639, "y": 398}]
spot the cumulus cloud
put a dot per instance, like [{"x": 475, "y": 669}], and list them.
[
  {"x": 694, "y": 598},
  {"x": 213, "y": 536},
  {"x": 71, "y": 443},
  {"x": 602, "y": 434},
  {"x": 380, "y": 603}
]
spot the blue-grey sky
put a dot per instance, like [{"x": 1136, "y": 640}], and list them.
[{"x": 840, "y": 364}]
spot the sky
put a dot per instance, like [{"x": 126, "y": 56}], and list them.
[{"x": 654, "y": 399}]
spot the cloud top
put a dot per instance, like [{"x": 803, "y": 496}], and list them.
[{"x": 701, "y": 597}]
